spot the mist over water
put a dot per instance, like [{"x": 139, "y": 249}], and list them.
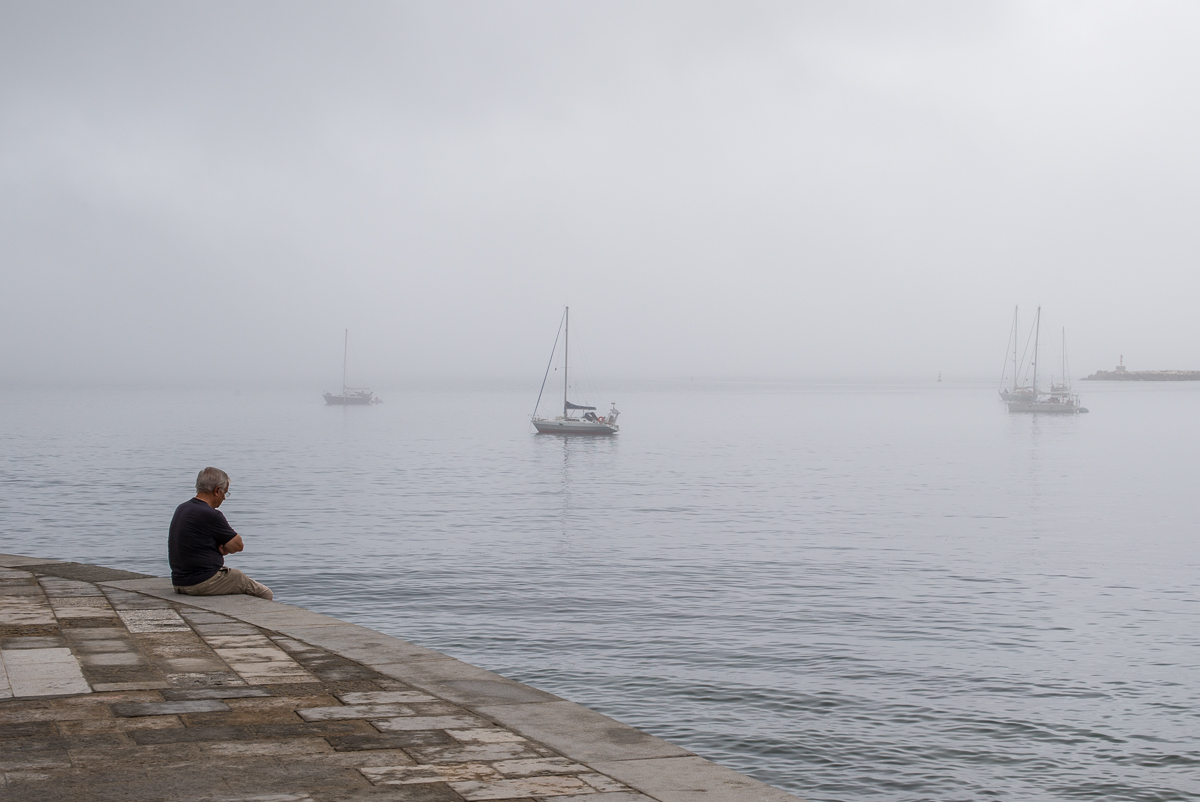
[{"x": 850, "y": 591}]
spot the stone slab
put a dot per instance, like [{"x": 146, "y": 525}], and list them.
[
  {"x": 131, "y": 709},
  {"x": 154, "y": 585},
  {"x": 146, "y": 621},
  {"x": 617, "y": 796},
  {"x": 408, "y": 723},
  {"x": 82, "y": 572},
  {"x": 580, "y": 733},
  {"x": 397, "y": 740},
  {"x": 464, "y": 684},
  {"x": 354, "y": 711},
  {"x": 357, "y": 643},
  {"x": 690, "y": 779},
  {"x": 18, "y": 561},
  {"x": 476, "y": 791},
  {"x": 43, "y": 672},
  {"x": 191, "y": 694},
  {"x": 384, "y": 697}
]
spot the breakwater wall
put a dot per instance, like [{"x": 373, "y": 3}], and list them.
[
  {"x": 1144, "y": 376},
  {"x": 116, "y": 688}
]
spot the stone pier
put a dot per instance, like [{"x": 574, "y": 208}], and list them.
[{"x": 113, "y": 687}]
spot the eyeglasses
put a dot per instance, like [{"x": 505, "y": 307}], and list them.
[{"x": 225, "y": 492}]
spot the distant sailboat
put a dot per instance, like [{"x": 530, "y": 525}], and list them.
[
  {"x": 350, "y": 396},
  {"x": 1017, "y": 392},
  {"x": 588, "y": 422},
  {"x": 1060, "y": 400}
]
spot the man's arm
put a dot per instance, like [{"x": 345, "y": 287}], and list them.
[{"x": 232, "y": 546}]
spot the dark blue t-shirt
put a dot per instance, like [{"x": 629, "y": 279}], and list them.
[{"x": 196, "y": 531}]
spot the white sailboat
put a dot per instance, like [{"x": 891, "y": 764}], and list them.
[
  {"x": 350, "y": 396},
  {"x": 1016, "y": 392},
  {"x": 587, "y": 423},
  {"x": 1060, "y": 400}
]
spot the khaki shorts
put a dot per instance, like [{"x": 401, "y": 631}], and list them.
[{"x": 225, "y": 582}]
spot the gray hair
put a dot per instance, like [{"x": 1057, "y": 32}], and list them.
[{"x": 210, "y": 479}]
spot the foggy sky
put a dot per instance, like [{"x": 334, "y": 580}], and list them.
[{"x": 211, "y": 192}]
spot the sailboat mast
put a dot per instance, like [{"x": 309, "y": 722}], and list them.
[
  {"x": 1016, "y": 333},
  {"x": 345, "y": 353},
  {"x": 566, "y": 352},
  {"x": 1036, "y": 333}
]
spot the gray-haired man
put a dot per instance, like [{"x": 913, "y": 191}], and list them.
[{"x": 200, "y": 540}]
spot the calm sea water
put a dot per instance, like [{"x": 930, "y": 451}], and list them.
[{"x": 852, "y": 592}]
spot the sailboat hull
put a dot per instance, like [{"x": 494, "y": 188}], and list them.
[
  {"x": 567, "y": 426},
  {"x": 1051, "y": 407},
  {"x": 348, "y": 400}
]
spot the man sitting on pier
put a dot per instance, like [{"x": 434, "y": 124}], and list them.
[{"x": 201, "y": 538}]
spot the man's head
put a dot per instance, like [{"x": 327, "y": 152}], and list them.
[{"x": 212, "y": 486}]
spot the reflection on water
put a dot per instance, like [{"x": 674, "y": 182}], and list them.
[{"x": 852, "y": 592}]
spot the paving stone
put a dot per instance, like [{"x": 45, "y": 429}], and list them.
[
  {"x": 188, "y": 694},
  {"x": 28, "y": 729},
  {"x": 289, "y": 746},
  {"x": 249, "y": 717},
  {"x": 485, "y": 736},
  {"x": 305, "y": 729},
  {"x": 407, "y": 775},
  {"x": 103, "y": 699},
  {"x": 33, "y": 642},
  {"x": 580, "y": 733},
  {"x": 195, "y": 616},
  {"x": 279, "y": 702},
  {"x": 619, "y": 796},
  {"x": 208, "y": 630},
  {"x": 359, "y": 644},
  {"x": 57, "y": 586},
  {"x": 91, "y": 726},
  {"x": 84, "y": 572},
  {"x": 20, "y": 589},
  {"x": 366, "y": 758},
  {"x": 462, "y": 753},
  {"x": 19, "y": 561},
  {"x": 103, "y": 645},
  {"x": 112, "y": 659},
  {"x": 124, "y": 600},
  {"x": 11, "y": 760},
  {"x": 340, "y": 671},
  {"x": 43, "y": 672},
  {"x": 354, "y": 711},
  {"x": 384, "y": 697},
  {"x": 191, "y": 735},
  {"x": 602, "y": 783},
  {"x": 97, "y": 633},
  {"x": 255, "y": 797},
  {"x": 163, "y": 620},
  {"x": 250, "y": 639},
  {"x": 399, "y": 740},
  {"x": 406, "y": 723},
  {"x": 25, "y": 611},
  {"x": 689, "y": 779},
  {"x": 130, "y": 686},
  {"x": 464, "y": 684},
  {"x": 129, "y": 709},
  {"x": 15, "y": 715},
  {"x": 529, "y": 786},
  {"x": 201, "y": 679},
  {"x": 530, "y": 767}
]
